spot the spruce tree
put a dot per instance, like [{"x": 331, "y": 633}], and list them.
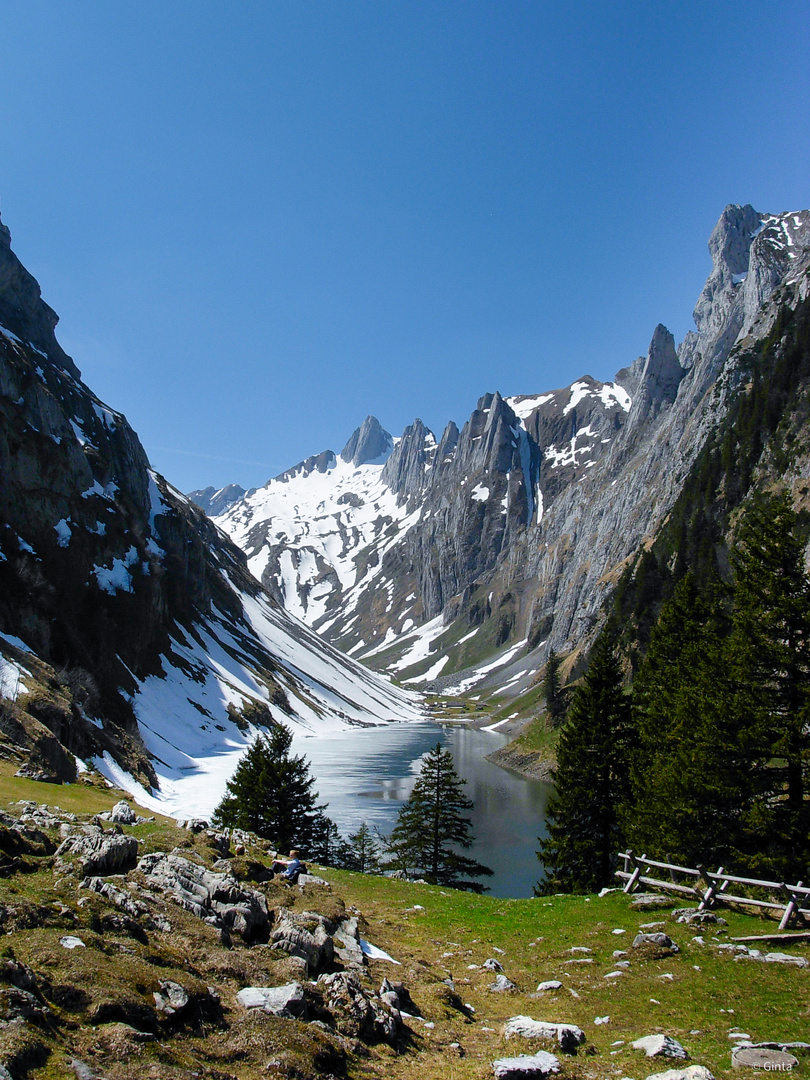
[
  {"x": 270, "y": 793},
  {"x": 770, "y": 660},
  {"x": 555, "y": 697},
  {"x": 361, "y": 851},
  {"x": 432, "y": 825},
  {"x": 592, "y": 780},
  {"x": 690, "y": 771}
]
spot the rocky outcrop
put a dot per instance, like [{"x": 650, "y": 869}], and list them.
[
  {"x": 218, "y": 898},
  {"x": 99, "y": 854},
  {"x": 368, "y": 443}
]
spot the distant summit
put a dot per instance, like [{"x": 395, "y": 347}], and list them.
[
  {"x": 370, "y": 444},
  {"x": 213, "y": 502}
]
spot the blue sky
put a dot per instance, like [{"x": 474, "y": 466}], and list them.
[{"x": 261, "y": 221}]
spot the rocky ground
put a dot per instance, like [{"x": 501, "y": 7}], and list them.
[{"x": 130, "y": 947}]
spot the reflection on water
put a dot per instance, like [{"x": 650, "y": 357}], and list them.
[{"x": 365, "y": 774}]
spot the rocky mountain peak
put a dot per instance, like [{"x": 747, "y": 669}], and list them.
[
  {"x": 404, "y": 471},
  {"x": 24, "y": 312},
  {"x": 368, "y": 444}
]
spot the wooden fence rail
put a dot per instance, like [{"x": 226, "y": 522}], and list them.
[{"x": 711, "y": 888}]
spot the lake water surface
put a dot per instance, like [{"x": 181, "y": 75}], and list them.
[{"x": 365, "y": 775}]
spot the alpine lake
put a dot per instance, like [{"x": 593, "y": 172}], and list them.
[{"x": 366, "y": 774}]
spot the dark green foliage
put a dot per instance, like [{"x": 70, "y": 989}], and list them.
[
  {"x": 432, "y": 826},
  {"x": 270, "y": 793},
  {"x": 769, "y": 654},
  {"x": 722, "y": 702},
  {"x": 361, "y": 852},
  {"x": 690, "y": 770},
  {"x": 555, "y": 696},
  {"x": 592, "y": 778}
]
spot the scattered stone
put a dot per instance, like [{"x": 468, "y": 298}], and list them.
[
  {"x": 526, "y": 1067},
  {"x": 580, "y": 948},
  {"x": 702, "y": 918},
  {"x": 457, "y": 1048},
  {"x": 396, "y": 996},
  {"x": 357, "y": 1013},
  {"x": 194, "y": 825},
  {"x": 660, "y": 1046},
  {"x": 123, "y": 814},
  {"x": 662, "y": 941},
  {"x": 82, "y": 1070},
  {"x": 173, "y": 998},
  {"x": 550, "y": 984},
  {"x": 650, "y": 902},
  {"x": 652, "y": 925},
  {"x": 502, "y": 985},
  {"x": 691, "y": 1072},
  {"x": 755, "y": 1057},
  {"x": 738, "y": 1035},
  {"x": 70, "y": 942},
  {"x": 614, "y": 974},
  {"x": 569, "y": 1036},
  {"x": 618, "y": 952},
  {"x": 599, "y": 1020},
  {"x": 285, "y": 1000},
  {"x": 492, "y": 965},
  {"x": 618, "y": 931}
]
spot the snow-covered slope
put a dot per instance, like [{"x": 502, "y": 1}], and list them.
[
  {"x": 131, "y": 624},
  {"x": 464, "y": 559},
  {"x": 303, "y": 531}
]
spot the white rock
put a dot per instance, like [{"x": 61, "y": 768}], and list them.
[
  {"x": 569, "y": 1036},
  {"x": 599, "y": 1020},
  {"x": 285, "y": 1000},
  {"x": 70, "y": 942},
  {"x": 691, "y": 1072},
  {"x": 660, "y": 1046},
  {"x": 550, "y": 984},
  {"x": 614, "y": 974},
  {"x": 520, "y": 1068}
]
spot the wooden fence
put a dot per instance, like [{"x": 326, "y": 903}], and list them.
[{"x": 711, "y": 888}]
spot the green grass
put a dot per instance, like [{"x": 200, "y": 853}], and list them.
[{"x": 435, "y": 933}]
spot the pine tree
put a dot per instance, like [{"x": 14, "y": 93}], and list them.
[
  {"x": 592, "y": 780},
  {"x": 270, "y": 793},
  {"x": 555, "y": 698},
  {"x": 690, "y": 771},
  {"x": 432, "y": 825},
  {"x": 361, "y": 851},
  {"x": 770, "y": 659}
]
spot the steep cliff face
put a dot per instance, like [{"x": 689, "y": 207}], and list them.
[
  {"x": 487, "y": 548},
  {"x": 117, "y": 581}
]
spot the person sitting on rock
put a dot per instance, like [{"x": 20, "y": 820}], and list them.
[{"x": 290, "y": 868}]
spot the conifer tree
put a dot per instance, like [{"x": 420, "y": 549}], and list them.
[
  {"x": 592, "y": 780},
  {"x": 770, "y": 659},
  {"x": 361, "y": 851},
  {"x": 270, "y": 793},
  {"x": 432, "y": 826},
  {"x": 555, "y": 698},
  {"x": 690, "y": 770}
]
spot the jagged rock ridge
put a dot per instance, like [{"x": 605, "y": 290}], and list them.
[{"x": 505, "y": 538}]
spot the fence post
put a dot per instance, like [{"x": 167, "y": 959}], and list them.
[
  {"x": 711, "y": 887},
  {"x": 792, "y": 905},
  {"x": 636, "y": 874}
]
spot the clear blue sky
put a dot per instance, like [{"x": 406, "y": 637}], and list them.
[{"x": 261, "y": 220}]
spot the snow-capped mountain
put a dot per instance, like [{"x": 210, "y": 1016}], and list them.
[
  {"x": 131, "y": 631},
  {"x": 464, "y": 559}
]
